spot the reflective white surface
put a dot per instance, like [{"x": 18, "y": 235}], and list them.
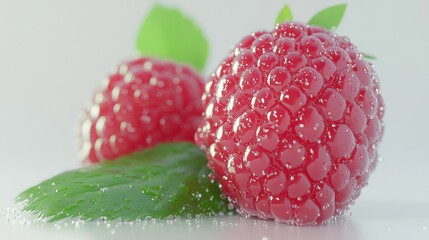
[
  {"x": 53, "y": 54},
  {"x": 372, "y": 221}
]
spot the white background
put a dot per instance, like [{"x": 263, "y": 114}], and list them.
[{"x": 53, "y": 54}]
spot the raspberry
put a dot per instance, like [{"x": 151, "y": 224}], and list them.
[
  {"x": 292, "y": 123},
  {"x": 145, "y": 102}
]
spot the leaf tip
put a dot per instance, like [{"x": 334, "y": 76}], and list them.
[
  {"x": 284, "y": 15},
  {"x": 369, "y": 56},
  {"x": 168, "y": 33},
  {"x": 343, "y": 6},
  {"x": 330, "y": 17}
]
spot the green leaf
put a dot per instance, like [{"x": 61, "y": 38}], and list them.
[
  {"x": 369, "y": 57},
  {"x": 169, "y": 180},
  {"x": 284, "y": 15},
  {"x": 167, "y": 33},
  {"x": 329, "y": 18}
]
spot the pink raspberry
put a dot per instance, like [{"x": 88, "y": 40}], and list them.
[
  {"x": 292, "y": 122},
  {"x": 145, "y": 102}
]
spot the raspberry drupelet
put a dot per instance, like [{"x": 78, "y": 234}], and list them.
[{"x": 292, "y": 122}]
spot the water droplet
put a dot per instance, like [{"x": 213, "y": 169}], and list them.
[{"x": 230, "y": 206}]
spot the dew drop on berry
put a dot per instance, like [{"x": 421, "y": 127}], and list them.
[
  {"x": 100, "y": 125},
  {"x": 103, "y": 149},
  {"x": 86, "y": 129},
  {"x": 95, "y": 111}
]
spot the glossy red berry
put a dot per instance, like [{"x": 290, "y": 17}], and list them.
[
  {"x": 145, "y": 102},
  {"x": 293, "y": 120}
]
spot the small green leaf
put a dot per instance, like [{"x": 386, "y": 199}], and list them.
[
  {"x": 329, "y": 18},
  {"x": 284, "y": 15},
  {"x": 169, "y": 180},
  {"x": 369, "y": 57},
  {"x": 167, "y": 33}
]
